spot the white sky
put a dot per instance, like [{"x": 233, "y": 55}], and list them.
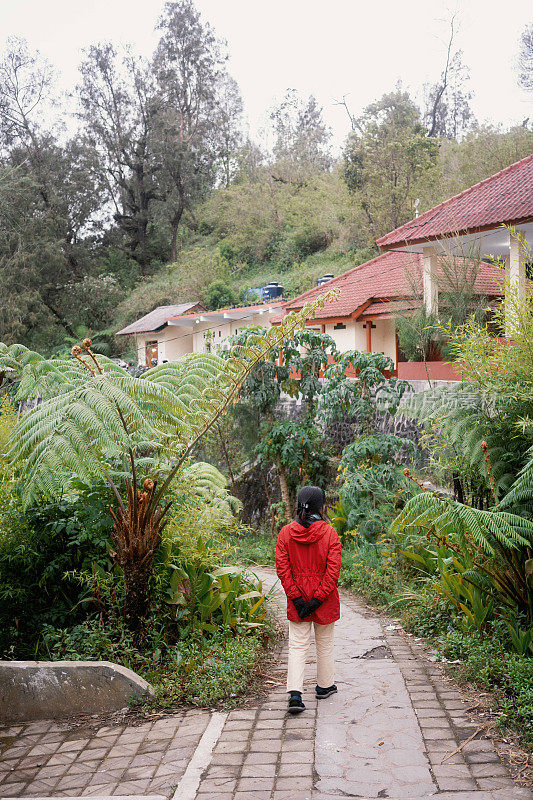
[{"x": 328, "y": 48}]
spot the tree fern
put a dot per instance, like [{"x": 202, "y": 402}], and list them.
[
  {"x": 466, "y": 417},
  {"x": 210, "y": 484},
  {"x": 487, "y": 529},
  {"x": 94, "y": 416}
]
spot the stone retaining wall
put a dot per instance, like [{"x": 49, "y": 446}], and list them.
[{"x": 32, "y": 690}]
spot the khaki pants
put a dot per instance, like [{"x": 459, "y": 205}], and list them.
[{"x": 299, "y": 641}]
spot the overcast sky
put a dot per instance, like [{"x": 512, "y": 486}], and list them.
[{"x": 332, "y": 48}]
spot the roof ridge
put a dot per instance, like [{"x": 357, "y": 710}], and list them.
[{"x": 448, "y": 200}]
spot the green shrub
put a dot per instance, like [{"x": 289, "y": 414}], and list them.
[
  {"x": 253, "y": 548},
  {"x": 47, "y": 545},
  {"x": 372, "y": 488},
  {"x": 205, "y": 671},
  {"x": 487, "y": 664},
  {"x": 366, "y": 570}
]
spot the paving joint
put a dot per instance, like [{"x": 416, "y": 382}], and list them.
[{"x": 384, "y": 734}]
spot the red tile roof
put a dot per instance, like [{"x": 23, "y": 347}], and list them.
[
  {"x": 504, "y": 198},
  {"x": 257, "y": 307},
  {"x": 391, "y": 276},
  {"x": 391, "y": 307}
]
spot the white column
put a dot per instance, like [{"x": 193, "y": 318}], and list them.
[
  {"x": 516, "y": 275},
  {"x": 430, "y": 280}
]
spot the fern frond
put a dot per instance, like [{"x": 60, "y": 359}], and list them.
[
  {"x": 447, "y": 517},
  {"x": 90, "y": 417},
  {"x": 521, "y": 492}
]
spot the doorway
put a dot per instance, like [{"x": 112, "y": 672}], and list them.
[{"x": 151, "y": 352}]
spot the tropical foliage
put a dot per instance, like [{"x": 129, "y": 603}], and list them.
[{"x": 98, "y": 421}]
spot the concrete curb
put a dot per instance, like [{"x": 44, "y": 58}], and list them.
[{"x": 34, "y": 690}]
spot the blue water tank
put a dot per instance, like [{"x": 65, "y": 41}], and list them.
[
  {"x": 253, "y": 295},
  {"x": 272, "y": 291},
  {"x": 325, "y": 278}
]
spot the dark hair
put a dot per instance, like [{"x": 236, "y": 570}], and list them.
[{"x": 309, "y": 502}]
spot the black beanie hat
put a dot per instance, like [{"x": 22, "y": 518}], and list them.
[{"x": 310, "y": 499}]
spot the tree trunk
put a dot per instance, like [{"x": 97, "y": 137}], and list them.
[
  {"x": 66, "y": 325},
  {"x": 137, "y": 592},
  {"x": 174, "y": 224},
  {"x": 136, "y": 535},
  {"x": 285, "y": 494}
]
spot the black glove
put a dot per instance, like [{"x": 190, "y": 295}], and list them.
[
  {"x": 299, "y": 605},
  {"x": 309, "y": 607}
]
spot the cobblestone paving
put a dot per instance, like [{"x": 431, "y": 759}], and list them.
[
  {"x": 47, "y": 759},
  {"x": 387, "y": 734}
]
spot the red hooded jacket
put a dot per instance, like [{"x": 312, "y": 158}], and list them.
[{"x": 308, "y": 562}]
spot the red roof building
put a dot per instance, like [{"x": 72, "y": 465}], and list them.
[
  {"x": 494, "y": 217},
  {"x": 425, "y": 257},
  {"x": 505, "y": 198},
  {"x": 374, "y": 293}
]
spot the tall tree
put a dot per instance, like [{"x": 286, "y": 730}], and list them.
[
  {"x": 118, "y": 110},
  {"x": 388, "y": 161},
  {"x": 49, "y": 204},
  {"x": 525, "y": 59},
  {"x": 230, "y": 136},
  {"x": 448, "y": 113},
  {"x": 302, "y": 143},
  {"x": 197, "y": 113}
]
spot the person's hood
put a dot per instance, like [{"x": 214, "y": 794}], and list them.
[{"x": 308, "y": 535}]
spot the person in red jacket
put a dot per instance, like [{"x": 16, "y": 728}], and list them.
[{"x": 308, "y": 562}]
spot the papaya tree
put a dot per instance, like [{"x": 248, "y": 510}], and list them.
[
  {"x": 95, "y": 420},
  {"x": 295, "y": 370}
]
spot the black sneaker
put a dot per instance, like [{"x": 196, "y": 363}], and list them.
[
  {"x": 321, "y": 693},
  {"x": 296, "y": 705}
]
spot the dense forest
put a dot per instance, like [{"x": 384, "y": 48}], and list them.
[{"x": 150, "y": 192}]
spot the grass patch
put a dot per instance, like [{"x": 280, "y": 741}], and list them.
[
  {"x": 254, "y": 549},
  {"x": 207, "y": 671}
]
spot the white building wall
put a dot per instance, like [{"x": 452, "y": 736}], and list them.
[
  {"x": 175, "y": 341},
  {"x": 354, "y": 337},
  {"x": 141, "y": 354},
  {"x": 172, "y": 343},
  {"x": 384, "y": 338},
  {"x": 344, "y": 339}
]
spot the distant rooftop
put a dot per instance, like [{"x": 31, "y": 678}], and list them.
[
  {"x": 157, "y": 318},
  {"x": 227, "y": 314}
]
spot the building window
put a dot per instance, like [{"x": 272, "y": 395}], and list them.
[
  {"x": 220, "y": 333},
  {"x": 339, "y": 326}
]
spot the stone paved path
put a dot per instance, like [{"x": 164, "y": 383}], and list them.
[{"x": 385, "y": 735}]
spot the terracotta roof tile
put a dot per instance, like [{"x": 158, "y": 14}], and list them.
[
  {"x": 255, "y": 307},
  {"x": 504, "y": 198},
  {"x": 391, "y": 276}
]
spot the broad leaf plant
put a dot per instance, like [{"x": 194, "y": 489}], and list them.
[{"x": 95, "y": 420}]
